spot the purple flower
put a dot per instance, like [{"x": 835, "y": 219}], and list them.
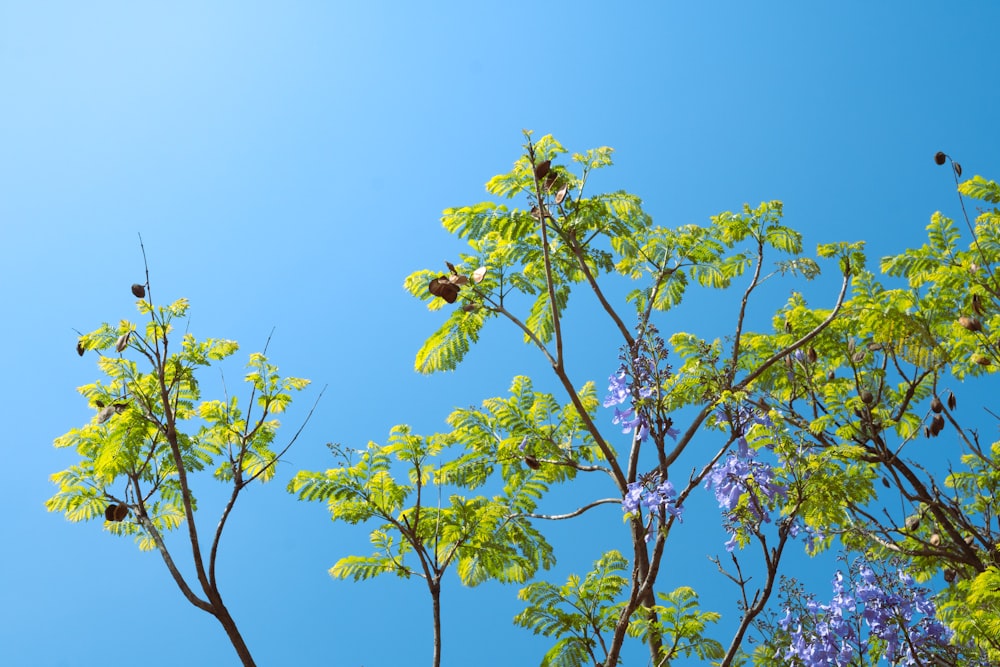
[
  {"x": 653, "y": 495},
  {"x": 618, "y": 389}
]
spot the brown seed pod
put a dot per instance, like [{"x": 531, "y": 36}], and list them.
[
  {"x": 469, "y": 307},
  {"x": 936, "y": 405},
  {"x": 109, "y": 512},
  {"x": 830, "y": 376},
  {"x": 866, "y": 397},
  {"x": 788, "y": 326},
  {"x": 970, "y": 540},
  {"x": 937, "y": 424},
  {"x": 542, "y": 168},
  {"x": 970, "y": 323},
  {"x": 811, "y": 355},
  {"x": 99, "y": 403},
  {"x": 958, "y": 168},
  {"x": 952, "y": 401},
  {"x": 551, "y": 181},
  {"x": 457, "y": 279},
  {"x": 885, "y": 483},
  {"x": 122, "y": 341},
  {"x": 121, "y": 511},
  {"x": 935, "y": 540},
  {"x": 139, "y": 291},
  {"x": 950, "y": 575},
  {"x": 79, "y": 347},
  {"x": 859, "y": 356},
  {"x": 981, "y": 360},
  {"x": 939, "y": 158},
  {"x": 977, "y": 305},
  {"x": 561, "y": 195},
  {"x": 444, "y": 288},
  {"x": 927, "y": 432},
  {"x": 531, "y": 462},
  {"x": 912, "y": 522}
]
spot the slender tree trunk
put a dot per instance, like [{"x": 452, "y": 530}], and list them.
[
  {"x": 435, "y": 586},
  {"x": 229, "y": 625}
]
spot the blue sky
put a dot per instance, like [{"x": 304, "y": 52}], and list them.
[{"x": 286, "y": 165}]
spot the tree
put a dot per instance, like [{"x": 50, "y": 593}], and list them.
[{"x": 140, "y": 453}]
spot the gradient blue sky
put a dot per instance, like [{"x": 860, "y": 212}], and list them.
[{"x": 287, "y": 163}]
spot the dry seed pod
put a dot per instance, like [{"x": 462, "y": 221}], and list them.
[
  {"x": 952, "y": 401},
  {"x": 874, "y": 347},
  {"x": 977, "y": 305},
  {"x": 542, "y": 168},
  {"x": 109, "y": 512},
  {"x": 79, "y": 347},
  {"x": 958, "y": 168},
  {"x": 121, "y": 511},
  {"x": 850, "y": 346},
  {"x": 469, "y": 307},
  {"x": 444, "y": 288},
  {"x": 981, "y": 360},
  {"x": 551, "y": 181},
  {"x": 939, "y": 158},
  {"x": 122, "y": 341},
  {"x": 99, "y": 403},
  {"x": 451, "y": 267},
  {"x": 950, "y": 575},
  {"x": 139, "y": 291},
  {"x": 935, "y": 540},
  {"x": 531, "y": 462},
  {"x": 479, "y": 274},
  {"x": 866, "y": 397},
  {"x": 936, "y": 405},
  {"x": 927, "y": 432},
  {"x": 561, "y": 195},
  {"x": 830, "y": 376},
  {"x": 970, "y": 540},
  {"x": 937, "y": 424},
  {"x": 970, "y": 323},
  {"x": 105, "y": 414},
  {"x": 788, "y": 326},
  {"x": 912, "y": 522},
  {"x": 811, "y": 355},
  {"x": 457, "y": 279},
  {"x": 885, "y": 483}
]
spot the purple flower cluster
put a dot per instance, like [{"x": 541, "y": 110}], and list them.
[
  {"x": 898, "y": 615},
  {"x": 740, "y": 475},
  {"x": 636, "y": 382},
  {"x": 654, "y": 494}
]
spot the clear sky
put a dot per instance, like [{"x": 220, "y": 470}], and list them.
[{"x": 286, "y": 164}]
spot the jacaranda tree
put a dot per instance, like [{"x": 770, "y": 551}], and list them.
[
  {"x": 152, "y": 434},
  {"x": 806, "y": 429}
]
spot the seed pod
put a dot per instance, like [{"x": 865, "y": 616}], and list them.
[
  {"x": 939, "y": 158},
  {"x": 561, "y": 195},
  {"x": 121, "y": 511},
  {"x": 912, "y": 522},
  {"x": 859, "y": 356},
  {"x": 105, "y": 414},
  {"x": 970, "y": 323},
  {"x": 79, "y": 347},
  {"x": 937, "y": 424},
  {"x": 788, "y": 326},
  {"x": 812, "y": 356},
  {"x": 950, "y": 575},
  {"x": 122, "y": 341},
  {"x": 935, "y": 540},
  {"x": 851, "y": 345},
  {"x": 531, "y": 462},
  {"x": 927, "y": 432},
  {"x": 830, "y": 376},
  {"x": 542, "y": 168},
  {"x": 99, "y": 403},
  {"x": 936, "y": 405},
  {"x": 952, "y": 401},
  {"x": 981, "y": 360},
  {"x": 479, "y": 274},
  {"x": 457, "y": 279},
  {"x": 885, "y": 482},
  {"x": 958, "y": 168},
  {"x": 469, "y": 307},
  {"x": 977, "y": 305},
  {"x": 109, "y": 512},
  {"x": 139, "y": 291},
  {"x": 444, "y": 288},
  {"x": 551, "y": 181},
  {"x": 866, "y": 397}
]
